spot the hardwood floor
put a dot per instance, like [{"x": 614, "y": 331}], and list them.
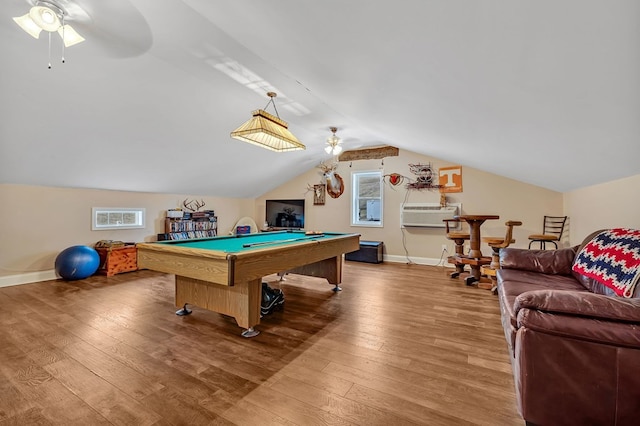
[{"x": 401, "y": 344}]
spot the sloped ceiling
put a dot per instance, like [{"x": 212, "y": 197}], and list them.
[{"x": 545, "y": 92}]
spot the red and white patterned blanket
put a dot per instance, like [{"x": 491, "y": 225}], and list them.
[{"x": 612, "y": 258}]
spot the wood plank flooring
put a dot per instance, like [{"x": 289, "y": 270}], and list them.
[{"x": 400, "y": 345}]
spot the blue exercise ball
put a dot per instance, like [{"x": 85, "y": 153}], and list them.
[{"x": 77, "y": 262}]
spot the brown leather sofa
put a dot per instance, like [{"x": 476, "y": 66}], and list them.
[{"x": 575, "y": 345}]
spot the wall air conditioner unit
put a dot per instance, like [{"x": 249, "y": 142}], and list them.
[{"x": 427, "y": 215}]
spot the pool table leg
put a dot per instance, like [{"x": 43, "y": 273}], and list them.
[
  {"x": 250, "y": 332},
  {"x": 331, "y": 269},
  {"x": 241, "y": 301}
]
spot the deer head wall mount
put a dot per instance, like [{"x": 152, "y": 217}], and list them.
[
  {"x": 193, "y": 205},
  {"x": 335, "y": 184}
]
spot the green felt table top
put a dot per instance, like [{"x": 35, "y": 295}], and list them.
[{"x": 238, "y": 243}]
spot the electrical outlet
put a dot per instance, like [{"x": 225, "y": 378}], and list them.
[{"x": 444, "y": 247}]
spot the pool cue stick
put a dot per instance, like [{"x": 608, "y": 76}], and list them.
[{"x": 262, "y": 243}]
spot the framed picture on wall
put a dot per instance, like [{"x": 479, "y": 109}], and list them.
[
  {"x": 319, "y": 191},
  {"x": 450, "y": 179}
]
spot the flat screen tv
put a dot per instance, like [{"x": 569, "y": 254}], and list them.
[{"x": 285, "y": 213}]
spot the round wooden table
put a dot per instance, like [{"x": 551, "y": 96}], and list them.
[
  {"x": 475, "y": 258},
  {"x": 475, "y": 221}
]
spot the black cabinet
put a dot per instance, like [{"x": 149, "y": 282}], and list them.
[{"x": 369, "y": 252}]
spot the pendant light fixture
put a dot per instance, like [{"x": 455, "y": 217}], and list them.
[
  {"x": 334, "y": 143},
  {"x": 48, "y": 16},
  {"x": 268, "y": 131}
]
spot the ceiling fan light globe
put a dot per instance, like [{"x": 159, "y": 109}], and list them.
[
  {"x": 48, "y": 17},
  {"x": 333, "y": 140},
  {"x": 328, "y": 149},
  {"x": 69, "y": 36},
  {"x": 28, "y": 25},
  {"x": 337, "y": 149},
  {"x": 45, "y": 18}
]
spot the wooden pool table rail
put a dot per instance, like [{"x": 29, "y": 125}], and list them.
[{"x": 233, "y": 268}]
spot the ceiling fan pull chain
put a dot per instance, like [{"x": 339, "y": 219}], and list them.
[
  {"x": 49, "y": 50},
  {"x": 63, "y": 44}
]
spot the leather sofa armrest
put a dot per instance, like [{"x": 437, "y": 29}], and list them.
[
  {"x": 580, "y": 303},
  {"x": 579, "y": 317},
  {"x": 555, "y": 262}
]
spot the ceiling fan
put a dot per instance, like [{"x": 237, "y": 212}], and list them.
[
  {"x": 114, "y": 26},
  {"x": 334, "y": 143},
  {"x": 50, "y": 17}
]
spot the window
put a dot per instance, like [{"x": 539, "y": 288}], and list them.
[
  {"x": 116, "y": 218},
  {"x": 366, "y": 204}
]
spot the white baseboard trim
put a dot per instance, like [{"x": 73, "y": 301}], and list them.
[
  {"x": 28, "y": 278},
  {"x": 418, "y": 260}
]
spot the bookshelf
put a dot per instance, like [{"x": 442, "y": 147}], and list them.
[{"x": 190, "y": 226}]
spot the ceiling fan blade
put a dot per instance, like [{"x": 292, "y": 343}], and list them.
[{"x": 116, "y": 26}]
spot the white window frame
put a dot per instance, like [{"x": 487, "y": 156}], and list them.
[
  {"x": 355, "y": 199},
  {"x": 97, "y": 225}
]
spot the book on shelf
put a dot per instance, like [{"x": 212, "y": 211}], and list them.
[
  {"x": 186, "y": 235},
  {"x": 191, "y": 225}
]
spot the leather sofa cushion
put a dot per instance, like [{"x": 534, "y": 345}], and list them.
[
  {"x": 552, "y": 262},
  {"x": 523, "y": 281},
  {"x": 593, "y": 285}
]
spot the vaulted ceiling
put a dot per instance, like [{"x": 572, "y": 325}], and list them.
[{"x": 546, "y": 92}]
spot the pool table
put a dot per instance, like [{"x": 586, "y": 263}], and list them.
[{"x": 224, "y": 274}]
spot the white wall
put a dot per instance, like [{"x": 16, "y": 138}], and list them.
[
  {"x": 614, "y": 204},
  {"x": 483, "y": 193},
  {"x": 39, "y": 222}
]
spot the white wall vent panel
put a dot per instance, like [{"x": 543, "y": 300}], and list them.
[{"x": 427, "y": 215}]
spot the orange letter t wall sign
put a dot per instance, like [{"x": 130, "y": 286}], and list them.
[{"x": 450, "y": 179}]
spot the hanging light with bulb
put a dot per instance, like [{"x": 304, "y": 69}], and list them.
[
  {"x": 268, "y": 131},
  {"x": 334, "y": 143}
]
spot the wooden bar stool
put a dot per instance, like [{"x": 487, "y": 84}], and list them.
[
  {"x": 458, "y": 238},
  {"x": 552, "y": 229},
  {"x": 497, "y": 243}
]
